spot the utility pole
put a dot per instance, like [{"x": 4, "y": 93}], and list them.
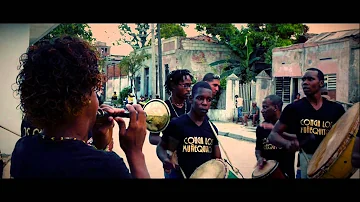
[
  {"x": 161, "y": 84},
  {"x": 113, "y": 83},
  {"x": 152, "y": 71}
]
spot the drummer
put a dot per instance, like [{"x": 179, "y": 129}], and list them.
[
  {"x": 271, "y": 110},
  {"x": 178, "y": 86},
  {"x": 355, "y": 158},
  {"x": 191, "y": 134},
  {"x": 310, "y": 118}
]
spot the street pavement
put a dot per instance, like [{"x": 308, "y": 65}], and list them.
[{"x": 240, "y": 152}]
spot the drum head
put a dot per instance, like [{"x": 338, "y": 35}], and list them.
[
  {"x": 348, "y": 123},
  {"x": 269, "y": 166},
  {"x": 214, "y": 168}
]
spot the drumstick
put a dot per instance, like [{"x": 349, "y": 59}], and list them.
[
  {"x": 236, "y": 170},
  {"x": 10, "y": 131},
  {"x": 182, "y": 172}
]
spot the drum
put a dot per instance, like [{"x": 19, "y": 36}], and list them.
[
  {"x": 270, "y": 170},
  {"x": 214, "y": 169},
  {"x": 332, "y": 159}
]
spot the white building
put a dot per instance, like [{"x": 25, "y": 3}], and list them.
[{"x": 15, "y": 39}]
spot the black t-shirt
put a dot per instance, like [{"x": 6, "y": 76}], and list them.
[
  {"x": 28, "y": 129},
  {"x": 270, "y": 152},
  {"x": 34, "y": 157},
  {"x": 308, "y": 124},
  {"x": 196, "y": 143},
  {"x": 179, "y": 111}
]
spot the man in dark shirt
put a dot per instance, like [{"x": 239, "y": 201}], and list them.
[
  {"x": 310, "y": 118},
  {"x": 178, "y": 86},
  {"x": 191, "y": 135},
  {"x": 214, "y": 82},
  {"x": 60, "y": 97},
  {"x": 271, "y": 110}
]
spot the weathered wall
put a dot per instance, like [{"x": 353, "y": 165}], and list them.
[
  {"x": 184, "y": 53},
  {"x": 354, "y": 78},
  {"x": 332, "y": 57}
]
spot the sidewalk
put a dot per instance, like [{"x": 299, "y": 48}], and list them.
[{"x": 236, "y": 131}]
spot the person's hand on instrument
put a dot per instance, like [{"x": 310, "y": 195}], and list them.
[
  {"x": 132, "y": 139},
  {"x": 261, "y": 162},
  {"x": 168, "y": 165},
  {"x": 292, "y": 145},
  {"x": 100, "y": 133}
]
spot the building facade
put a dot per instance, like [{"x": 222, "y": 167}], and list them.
[
  {"x": 194, "y": 54},
  {"x": 336, "y": 54}
]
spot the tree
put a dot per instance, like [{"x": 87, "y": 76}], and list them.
[
  {"x": 140, "y": 37},
  {"x": 251, "y": 44},
  {"x": 79, "y": 30},
  {"x": 133, "y": 63},
  {"x": 171, "y": 30}
]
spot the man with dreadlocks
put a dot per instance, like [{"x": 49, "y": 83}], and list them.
[{"x": 178, "y": 86}]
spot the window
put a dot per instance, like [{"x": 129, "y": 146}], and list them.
[
  {"x": 283, "y": 88},
  {"x": 330, "y": 81},
  {"x": 137, "y": 83}
]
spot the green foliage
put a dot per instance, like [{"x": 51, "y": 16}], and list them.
[
  {"x": 133, "y": 63},
  {"x": 247, "y": 43},
  {"x": 135, "y": 39},
  {"x": 170, "y": 30},
  {"x": 139, "y": 38},
  {"x": 223, "y": 83},
  {"x": 80, "y": 30},
  {"x": 124, "y": 93}
]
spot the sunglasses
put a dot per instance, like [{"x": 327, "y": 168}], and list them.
[
  {"x": 216, "y": 76},
  {"x": 186, "y": 85}
]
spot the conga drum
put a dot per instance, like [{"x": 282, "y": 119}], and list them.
[
  {"x": 332, "y": 159},
  {"x": 270, "y": 170},
  {"x": 214, "y": 169}
]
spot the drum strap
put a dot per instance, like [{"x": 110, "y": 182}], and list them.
[{"x": 228, "y": 159}]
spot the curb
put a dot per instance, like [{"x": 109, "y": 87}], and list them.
[{"x": 237, "y": 137}]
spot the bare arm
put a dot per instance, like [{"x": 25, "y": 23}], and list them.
[
  {"x": 217, "y": 152},
  {"x": 289, "y": 136},
  {"x": 355, "y": 158},
  {"x": 276, "y": 135},
  {"x": 137, "y": 165},
  {"x": 163, "y": 146},
  {"x": 161, "y": 151},
  {"x": 154, "y": 138},
  {"x": 258, "y": 155},
  {"x": 285, "y": 135}
]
